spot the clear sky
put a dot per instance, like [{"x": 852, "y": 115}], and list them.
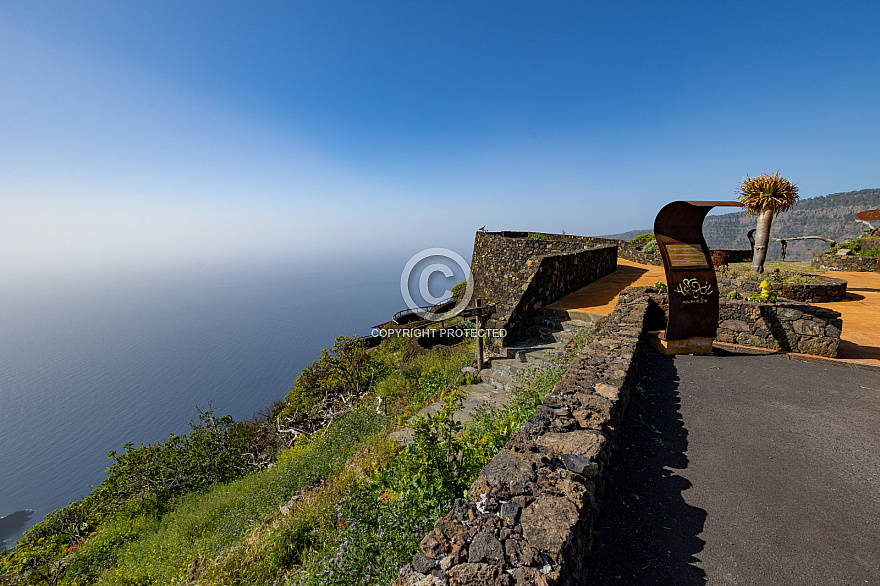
[{"x": 144, "y": 133}]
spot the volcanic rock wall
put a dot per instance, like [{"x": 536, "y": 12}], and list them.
[{"x": 532, "y": 509}]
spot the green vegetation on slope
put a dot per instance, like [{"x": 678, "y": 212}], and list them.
[{"x": 356, "y": 504}]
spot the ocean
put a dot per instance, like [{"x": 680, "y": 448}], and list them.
[{"x": 87, "y": 366}]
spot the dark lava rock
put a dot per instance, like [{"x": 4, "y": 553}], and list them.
[
  {"x": 485, "y": 548},
  {"x": 507, "y": 474},
  {"x": 580, "y": 465},
  {"x": 548, "y": 522},
  {"x": 422, "y": 564},
  {"x": 478, "y": 575},
  {"x": 510, "y": 512}
]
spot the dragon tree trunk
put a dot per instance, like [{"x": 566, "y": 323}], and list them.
[{"x": 762, "y": 239}]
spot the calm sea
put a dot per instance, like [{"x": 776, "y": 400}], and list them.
[{"x": 87, "y": 367}]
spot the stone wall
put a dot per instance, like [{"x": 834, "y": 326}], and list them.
[
  {"x": 532, "y": 510},
  {"x": 789, "y": 327},
  {"x": 832, "y": 262},
  {"x": 502, "y": 260},
  {"x": 870, "y": 243},
  {"x": 627, "y": 251},
  {"x": 827, "y": 290},
  {"x": 522, "y": 275},
  {"x": 547, "y": 279},
  {"x": 737, "y": 255}
]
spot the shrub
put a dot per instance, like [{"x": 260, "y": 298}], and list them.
[
  {"x": 143, "y": 483},
  {"x": 535, "y": 236},
  {"x": 328, "y": 386},
  {"x": 207, "y": 524},
  {"x": 651, "y": 247},
  {"x": 433, "y": 381},
  {"x": 642, "y": 240},
  {"x": 307, "y": 389}
]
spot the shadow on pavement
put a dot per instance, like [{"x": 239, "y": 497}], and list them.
[
  {"x": 855, "y": 351},
  {"x": 647, "y": 533}
]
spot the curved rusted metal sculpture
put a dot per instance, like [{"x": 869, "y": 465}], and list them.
[{"x": 693, "y": 288}]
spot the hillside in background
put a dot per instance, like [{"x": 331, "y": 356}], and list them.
[{"x": 832, "y": 216}]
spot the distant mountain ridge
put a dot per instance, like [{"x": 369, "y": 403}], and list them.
[{"x": 832, "y": 216}]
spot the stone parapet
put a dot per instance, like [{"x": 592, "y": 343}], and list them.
[
  {"x": 522, "y": 274},
  {"x": 827, "y": 290},
  {"x": 627, "y": 251},
  {"x": 531, "y": 512},
  {"x": 503, "y": 260},
  {"x": 788, "y": 327},
  {"x": 783, "y": 326},
  {"x": 547, "y": 279},
  {"x": 858, "y": 264}
]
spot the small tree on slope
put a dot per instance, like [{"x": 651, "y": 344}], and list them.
[{"x": 766, "y": 196}]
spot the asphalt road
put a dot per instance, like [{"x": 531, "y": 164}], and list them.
[{"x": 744, "y": 469}]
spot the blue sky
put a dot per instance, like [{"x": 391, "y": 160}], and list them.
[{"x": 156, "y": 133}]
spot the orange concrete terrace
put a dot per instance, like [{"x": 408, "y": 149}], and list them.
[{"x": 600, "y": 297}]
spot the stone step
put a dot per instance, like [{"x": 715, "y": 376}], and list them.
[
  {"x": 500, "y": 376},
  {"x": 574, "y": 314},
  {"x": 543, "y": 333},
  {"x": 503, "y": 381},
  {"x": 530, "y": 345},
  {"x": 477, "y": 395}
]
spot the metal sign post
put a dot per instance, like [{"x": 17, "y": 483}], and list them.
[{"x": 693, "y": 288}]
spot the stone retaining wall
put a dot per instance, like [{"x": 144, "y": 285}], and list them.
[
  {"x": 870, "y": 243},
  {"x": 502, "y": 260},
  {"x": 522, "y": 275},
  {"x": 629, "y": 252},
  {"x": 832, "y": 262},
  {"x": 547, "y": 279},
  {"x": 737, "y": 255},
  {"x": 532, "y": 510},
  {"x": 789, "y": 327},
  {"x": 785, "y": 326},
  {"x": 827, "y": 290}
]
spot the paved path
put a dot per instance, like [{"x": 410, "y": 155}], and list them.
[
  {"x": 600, "y": 297},
  {"x": 860, "y": 337},
  {"x": 745, "y": 469}
]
